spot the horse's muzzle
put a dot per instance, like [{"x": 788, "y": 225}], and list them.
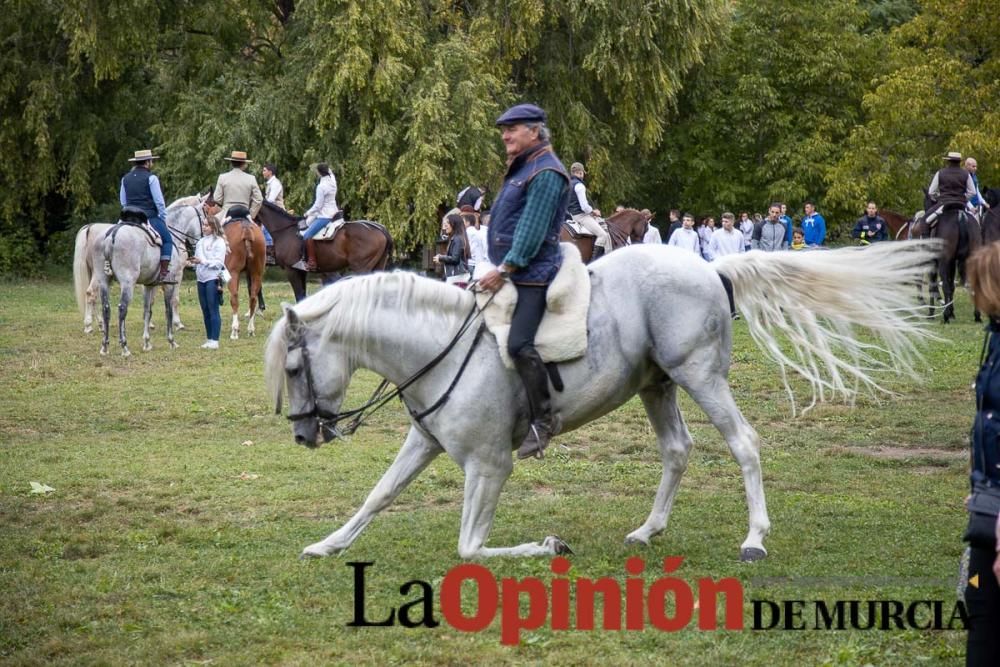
[{"x": 313, "y": 432}]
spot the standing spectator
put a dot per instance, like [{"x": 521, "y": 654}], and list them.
[
  {"x": 675, "y": 223},
  {"x": 870, "y": 227},
  {"x": 983, "y": 601},
  {"x": 274, "y": 191},
  {"x": 786, "y": 220},
  {"x": 475, "y": 234},
  {"x": 652, "y": 231},
  {"x": 140, "y": 188},
  {"x": 813, "y": 225},
  {"x": 770, "y": 235},
  {"x": 209, "y": 262},
  {"x": 456, "y": 257},
  {"x": 727, "y": 240},
  {"x": 705, "y": 231},
  {"x": 583, "y": 213},
  {"x": 746, "y": 226},
  {"x": 685, "y": 236}
]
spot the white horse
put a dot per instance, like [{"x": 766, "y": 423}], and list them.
[
  {"x": 659, "y": 319},
  {"x": 184, "y": 224},
  {"x": 128, "y": 254}
]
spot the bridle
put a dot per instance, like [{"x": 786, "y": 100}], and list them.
[
  {"x": 329, "y": 420},
  {"x": 181, "y": 236}
]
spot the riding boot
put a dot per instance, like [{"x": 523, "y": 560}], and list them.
[
  {"x": 533, "y": 374},
  {"x": 165, "y": 273},
  {"x": 310, "y": 255},
  {"x": 598, "y": 251}
]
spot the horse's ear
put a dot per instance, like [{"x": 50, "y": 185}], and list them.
[{"x": 293, "y": 325}]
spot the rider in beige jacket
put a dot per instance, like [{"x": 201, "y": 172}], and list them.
[{"x": 236, "y": 186}]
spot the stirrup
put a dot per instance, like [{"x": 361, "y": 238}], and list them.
[{"x": 533, "y": 445}]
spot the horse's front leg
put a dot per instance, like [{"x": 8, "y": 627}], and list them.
[
  {"x": 147, "y": 316},
  {"x": 947, "y": 275},
  {"x": 175, "y": 302},
  {"x": 484, "y": 479},
  {"x": 675, "y": 442},
  {"x": 234, "y": 303},
  {"x": 252, "y": 314},
  {"x": 417, "y": 452}
]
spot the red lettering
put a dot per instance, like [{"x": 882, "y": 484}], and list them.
[
  {"x": 635, "y": 608},
  {"x": 708, "y": 591},
  {"x": 683, "y": 599},
  {"x": 486, "y": 597},
  {"x": 560, "y": 594},
  {"x": 511, "y": 621},
  {"x": 611, "y": 593}
]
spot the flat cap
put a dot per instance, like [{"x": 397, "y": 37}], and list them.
[{"x": 522, "y": 113}]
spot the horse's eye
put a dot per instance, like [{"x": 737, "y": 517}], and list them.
[{"x": 293, "y": 371}]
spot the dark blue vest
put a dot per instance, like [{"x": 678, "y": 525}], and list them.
[
  {"x": 137, "y": 192},
  {"x": 573, "y": 206},
  {"x": 506, "y": 213}
]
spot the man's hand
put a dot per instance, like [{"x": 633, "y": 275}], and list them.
[{"x": 492, "y": 281}]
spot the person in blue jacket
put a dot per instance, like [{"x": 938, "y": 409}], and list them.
[
  {"x": 813, "y": 225},
  {"x": 870, "y": 227}
]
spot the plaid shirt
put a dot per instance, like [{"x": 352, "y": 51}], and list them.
[{"x": 544, "y": 196}]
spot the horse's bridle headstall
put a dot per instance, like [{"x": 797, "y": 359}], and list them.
[{"x": 328, "y": 420}]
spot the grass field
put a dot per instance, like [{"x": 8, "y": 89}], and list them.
[{"x": 180, "y": 506}]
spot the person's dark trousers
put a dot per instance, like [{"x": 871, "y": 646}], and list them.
[
  {"x": 209, "y": 297},
  {"x": 521, "y": 345},
  {"x": 728, "y": 284},
  {"x": 983, "y": 605}
]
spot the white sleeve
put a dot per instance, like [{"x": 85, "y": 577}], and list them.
[{"x": 581, "y": 196}]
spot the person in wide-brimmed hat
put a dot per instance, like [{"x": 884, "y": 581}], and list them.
[
  {"x": 237, "y": 186},
  {"x": 951, "y": 186},
  {"x": 526, "y": 218},
  {"x": 140, "y": 188}
]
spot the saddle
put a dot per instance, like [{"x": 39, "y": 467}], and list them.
[
  {"x": 330, "y": 231},
  {"x": 237, "y": 212},
  {"x": 131, "y": 216},
  {"x": 562, "y": 335},
  {"x": 576, "y": 231}
]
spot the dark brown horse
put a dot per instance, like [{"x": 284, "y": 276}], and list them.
[
  {"x": 960, "y": 235},
  {"x": 625, "y": 227},
  {"x": 991, "y": 218},
  {"x": 359, "y": 247},
  {"x": 246, "y": 254},
  {"x": 899, "y": 224}
]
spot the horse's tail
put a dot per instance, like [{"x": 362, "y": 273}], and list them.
[
  {"x": 802, "y": 309},
  {"x": 387, "y": 253},
  {"x": 248, "y": 241},
  {"x": 81, "y": 271}
]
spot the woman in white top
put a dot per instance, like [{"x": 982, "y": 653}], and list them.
[
  {"x": 323, "y": 210},
  {"x": 209, "y": 267}
]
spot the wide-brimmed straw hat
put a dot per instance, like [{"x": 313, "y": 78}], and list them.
[
  {"x": 237, "y": 156},
  {"x": 953, "y": 156},
  {"x": 143, "y": 156}
]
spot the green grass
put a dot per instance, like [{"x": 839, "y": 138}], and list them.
[{"x": 181, "y": 504}]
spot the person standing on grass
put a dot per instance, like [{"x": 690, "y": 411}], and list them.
[
  {"x": 983, "y": 600},
  {"x": 685, "y": 236},
  {"x": 209, "y": 262}
]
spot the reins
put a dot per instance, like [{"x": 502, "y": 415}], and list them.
[{"x": 380, "y": 397}]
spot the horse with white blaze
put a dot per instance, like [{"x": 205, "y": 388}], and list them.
[{"x": 659, "y": 319}]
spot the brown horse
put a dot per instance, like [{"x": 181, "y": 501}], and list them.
[
  {"x": 360, "y": 247},
  {"x": 246, "y": 254},
  {"x": 625, "y": 227},
  {"x": 899, "y": 224}
]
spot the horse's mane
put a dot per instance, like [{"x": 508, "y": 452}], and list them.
[
  {"x": 343, "y": 311},
  {"x": 192, "y": 200}
]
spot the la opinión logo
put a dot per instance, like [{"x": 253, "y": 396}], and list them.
[{"x": 668, "y": 604}]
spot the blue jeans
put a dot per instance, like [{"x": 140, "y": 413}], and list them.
[
  {"x": 167, "y": 250},
  {"x": 209, "y": 297},
  {"x": 315, "y": 227},
  {"x": 267, "y": 236}
]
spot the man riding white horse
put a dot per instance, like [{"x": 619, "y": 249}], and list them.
[
  {"x": 140, "y": 188},
  {"x": 526, "y": 219}
]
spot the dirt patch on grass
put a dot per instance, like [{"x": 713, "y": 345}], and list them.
[{"x": 898, "y": 453}]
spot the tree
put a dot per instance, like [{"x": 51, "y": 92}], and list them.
[{"x": 939, "y": 95}]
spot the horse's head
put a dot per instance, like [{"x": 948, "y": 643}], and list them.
[
  {"x": 299, "y": 358},
  {"x": 631, "y": 222}
]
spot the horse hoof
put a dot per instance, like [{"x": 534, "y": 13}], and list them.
[
  {"x": 147, "y": 347},
  {"x": 174, "y": 345},
  {"x": 558, "y": 546},
  {"x": 631, "y": 540},
  {"x": 752, "y": 554},
  {"x": 104, "y": 351},
  {"x": 126, "y": 353},
  {"x": 179, "y": 326},
  {"x": 88, "y": 330}
]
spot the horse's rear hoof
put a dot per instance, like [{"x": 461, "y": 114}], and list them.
[
  {"x": 126, "y": 352},
  {"x": 752, "y": 554}
]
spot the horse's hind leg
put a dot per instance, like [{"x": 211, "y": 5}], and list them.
[
  {"x": 147, "y": 315},
  {"x": 675, "y": 444},
  {"x": 234, "y": 303},
  {"x": 412, "y": 458},
  {"x": 175, "y": 304},
  {"x": 713, "y": 395},
  {"x": 169, "y": 299},
  {"x": 126, "y": 298},
  {"x": 105, "y": 316}
]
